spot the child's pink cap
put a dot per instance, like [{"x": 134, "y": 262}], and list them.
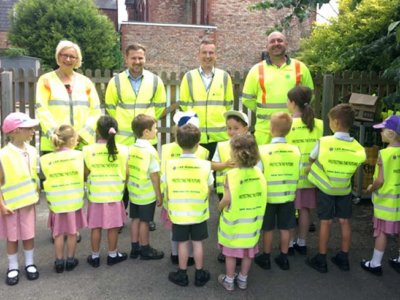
[
  {"x": 18, "y": 120},
  {"x": 393, "y": 123}
]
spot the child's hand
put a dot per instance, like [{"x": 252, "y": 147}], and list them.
[
  {"x": 230, "y": 163},
  {"x": 307, "y": 170},
  {"x": 4, "y": 210},
  {"x": 159, "y": 201},
  {"x": 369, "y": 188}
]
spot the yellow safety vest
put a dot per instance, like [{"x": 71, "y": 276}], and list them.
[
  {"x": 386, "y": 199},
  {"x": 172, "y": 151},
  {"x": 224, "y": 152},
  {"x": 124, "y": 105},
  {"x": 301, "y": 136},
  {"x": 265, "y": 91},
  {"x": 54, "y": 107},
  {"x": 187, "y": 190},
  {"x": 281, "y": 163},
  {"x": 336, "y": 163},
  {"x": 20, "y": 182},
  {"x": 209, "y": 106},
  {"x": 106, "y": 181},
  {"x": 240, "y": 223},
  {"x": 140, "y": 186},
  {"x": 64, "y": 184}
]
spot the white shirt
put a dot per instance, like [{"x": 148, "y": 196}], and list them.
[
  {"x": 154, "y": 164},
  {"x": 344, "y": 136},
  {"x": 207, "y": 78}
]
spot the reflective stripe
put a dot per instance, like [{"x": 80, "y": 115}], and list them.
[
  {"x": 110, "y": 106},
  {"x": 109, "y": 182},
  {"x": 385, "y": 208},
  {"x": 389, "y": 196},
  {"x": 327, "y": 185},
  {"x": 125, "y": 133},
  {"x": 90, "y": 130},
  {"x": 17, "y": 186},
  {"x": 118, "y": 86},
  {"x": 238, "y": 235},
  {"x": 263, "y": 117},
  {"x": 210, "y": 102},
  {"x": 131, "y": 183},
  {"x": 279, "y": 182},
  {"x": 188, "y": 213},
  {"x": 331, "y": 178},
  {"x": 135, "y": 106},
  {"x": 66, "y": 202},
  {"x": 38, "y": 105},
  {"x": 303, "y": 177},
  {"x": 275, "y": 194},
  {"x": 190, "y": 84},
  {"x": 143, "y": 196},
  {"x": 64, "y": 192},
  {"x": 272, "y": 105},
  {"x": 213, "y": 129},
  {"x": 67, "y": 103},
  {"x": 108, "y": 194},
  {"x": 248, "y": 96},
  {"x": 199, "y": 201},
  {"x": 19, "y": 197},
  {"x": 261, "y": 81},
  {"x": 306, "y": 164},
  {"x": 242, "y": 221}
]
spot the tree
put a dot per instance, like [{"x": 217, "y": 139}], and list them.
[{"x": 38, "y": 25}]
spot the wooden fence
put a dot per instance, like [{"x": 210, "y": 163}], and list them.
[{"x": 18, "y": 91}]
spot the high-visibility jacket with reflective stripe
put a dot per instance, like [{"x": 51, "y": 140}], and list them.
[
  {"x": 281, "y": 163},
  {"x": 386, "y": 199},
  {"x": 140, "y": 187},
  {"x": 301, "y": 136},
  {"x": 265, "y": 91},
  {"x": 336, "y": 163},
  {"x": 240, "y": 223},
  {"x": 187, "y": 190},
  {"x": 172, "y": 151},
  {"x": 124, "y": 105},
  {"x": 106, "y": 181},
  {"x": 55, "y": 107},
  {"x": 210, "y": 105},
  {"x": 20, "y": 181},
  {"x": 64, "y": 183},
  {"x": 224, "y": 152}
]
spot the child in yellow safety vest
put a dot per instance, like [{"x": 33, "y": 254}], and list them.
[
  {"x": 172, "y": 151},
  {"x": 242, "y": 211},
  {"x": 386, "y": 196},
  {"x": 18, "y": 194},
  {"x": 64, "y": 188},
  {"x": 334, "y": 160},
  {"x": 305, "y": 132},
  {"x": 106, "y": 172}
]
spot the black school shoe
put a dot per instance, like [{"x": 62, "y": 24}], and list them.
[
  {"x": 282, "y": 261},
  {"x": 94, "y": 262},
  {"x": 134, "y": 253},
  {"x": 71, "y": 263},
  {"x": 114, "y": 260},
  {"x": 395, "y": 264},
  {"x": 148, "y": 253},
  {"x": 342, "y": 261},
  {"x": 179, "y": 277},
  {"x": 317, "y": 263},
  {"x": 366, "y": 265},
  {"x": 12, "y": 280},
  {"x": 302, "y": 250},
  {"x": 31, "y": 275},
  {"x": 59, "y": 265},
  {"x": 263, "y": 260},
  {"x": 201, "y": 277}
]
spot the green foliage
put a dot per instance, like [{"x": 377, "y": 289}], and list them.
[
  {"x": 14, "y": 52},
  {"x": 38, "y": 26}
]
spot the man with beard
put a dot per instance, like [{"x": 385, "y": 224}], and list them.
[{"x": 268, "y": 82}]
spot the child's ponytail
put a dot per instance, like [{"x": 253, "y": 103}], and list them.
[
  {"x": 301, "y": 96},
  {"x": 107, "y": 128}
]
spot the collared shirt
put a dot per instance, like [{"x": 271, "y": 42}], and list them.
[
  {"x": 344, "y": 136},
  {"x": 135, "y": 82},
  {"x": 274, "y": 140},
  {"x": 269, "y": 61},
  {"x": 154, "y": 164},
  {"x": 207, "y": 78}
]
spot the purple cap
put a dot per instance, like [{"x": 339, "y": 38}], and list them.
[
  {"x": 393, "y": 123},
  {"x": 18, "y": 120}
]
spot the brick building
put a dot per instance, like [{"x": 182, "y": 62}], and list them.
[{"x": 172, "y": 30}]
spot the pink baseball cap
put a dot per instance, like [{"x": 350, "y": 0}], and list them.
[
  {"x": 18, "y": 120},
  {"x": 393, "y": 123}
]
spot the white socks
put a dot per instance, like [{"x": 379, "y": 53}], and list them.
[
  {"x": 28, "y": 257},
  {"x": 13, "y": 265},
  {"x": 376, "y": 260},
  {"x": 301, "y": 242},
  {"x": 95, "y": 255}
]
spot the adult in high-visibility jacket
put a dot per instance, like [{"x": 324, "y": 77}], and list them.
[
  {"x": 268, "y": 82},
  {"x": 64, "y": 96},
  {"x": 132, "y": 92},
  {"x": 64, "y": 187},
  {"x": 305, "y": 132},
  {"x": 385, "y": 190},
  {"x": 242, "y": 210},
  {"x": 335, "y": 159},
  {"x": 208, "y": 92},
  {"x": 18, "y": 193}
]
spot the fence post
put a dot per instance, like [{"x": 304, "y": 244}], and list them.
[
  {"x": 6, "y": 98},
  {"x": 327, "y": 100}
]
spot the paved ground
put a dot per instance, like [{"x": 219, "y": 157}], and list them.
[{"x": 136, "y": 279}]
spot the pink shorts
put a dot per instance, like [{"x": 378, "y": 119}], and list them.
[
  {"x": 66, "y": 223},
  {"x": 19, "y": 226},
  {"x": 306, "y": 198},
  {"x": 238, "y": 252},
  {"x": 388, "y": 227},
  {"x": 106, "y": 215}
]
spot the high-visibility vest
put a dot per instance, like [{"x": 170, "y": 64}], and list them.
[
  {"x": 240, "y": 223},
  {"x": 172, "y": 151},
  {"x": 301, "y": 136},
  {"x": 224, "y": 152},
  {"x": 106, "y": 181},
  {"x": 64, "y": 184},
  {"x": 187, "y": 190},
  {"x": 124, "y": 105},
  {"x": 386, "y": 199},
  {"x": 336, "y": 163},
  {"x": 140, "y": 187},
  {"x": 210, "y": 105},
  {"x": 55, "y": 106},
  {"x": 265, "y": 92},
  {"x": 281, "y": 163},
  {"x": 20, "y": 182}
]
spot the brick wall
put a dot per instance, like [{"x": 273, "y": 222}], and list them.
[{"x": 240, "y": 35}]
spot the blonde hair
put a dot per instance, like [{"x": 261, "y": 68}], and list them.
[
  {"x": 390, "y": 135},
  {"x": 68, "y": 44},
  {"x": 281, "y": 123},
  {"x": 62, "y": 136}
]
